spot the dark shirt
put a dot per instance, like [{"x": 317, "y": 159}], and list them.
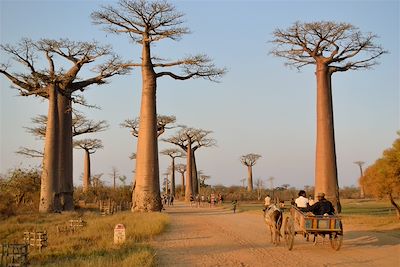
[{"x": 321, "y": 207}]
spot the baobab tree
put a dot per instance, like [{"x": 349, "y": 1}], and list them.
[
  {"x": 90, "y": 146},
  {"x": 162, "y": 122},
  {"x": 360, "y": 164},
  {"x": 332, "y": 47},
  {"x": 166, "y": 182},
  {"x": 80, "y": 125},
  {"x": 58, "y": 84},
  {"x": 114, "y": 174},
  {"x": 249, "y": 161},
  {"x": 189, "y": 140},
  {"x": 173, "y": 153},
  {"x": 181, "y": 168},
  {"x": 147, "y": 23}
]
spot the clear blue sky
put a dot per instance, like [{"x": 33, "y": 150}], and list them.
[{"x": 260, "y": 106}]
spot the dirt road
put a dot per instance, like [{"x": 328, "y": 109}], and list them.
[{"x": 217, "y": 237}]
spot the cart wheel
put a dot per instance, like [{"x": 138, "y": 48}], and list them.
[
  {"x": 289, "y": 232},
  {"x": 336, "y": 239}
]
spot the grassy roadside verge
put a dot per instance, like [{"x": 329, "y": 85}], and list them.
[{"x": 91, "y": 245}]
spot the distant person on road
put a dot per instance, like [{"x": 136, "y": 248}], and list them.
[
  {"x": 322, "y": 207},
  {"x": 302, "y": 201},
  {"x": 234, "y": 205},
  {"x": 191, "y": 200}
]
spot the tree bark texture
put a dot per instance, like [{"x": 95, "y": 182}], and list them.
[
  {"x": 147, "y": 191},
  {"x": 65, "y": 153},
  {"x": 195, "y": 181},
  {"x": 86, "y": 172},
  {"x": 183, "y": 184},
  {"x": 250, "y": 178},
  {"x": 49, "y": 198},
  {"x": 326, "y": 180},
  {"x": 189, "y": 184},
  {"x": 173, "y": 177},
  {"x": 166, "y": 185}
]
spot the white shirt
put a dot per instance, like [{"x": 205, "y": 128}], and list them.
[{"x": 301, "y": 202}]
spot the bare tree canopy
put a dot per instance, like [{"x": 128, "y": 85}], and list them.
[
  {"x": 340, "y": 45},
  {"x": 148, "y": 22},
  {"x": 80, "y": 125},
  {"x": 173, "y": 153},
  {"x": 249, "y": 159},
  {"x": 35, "y": 80},
  {"x": 180, "y": 167},
  {"x": 89, "y": 145},
  {"x": 196, "y": 137},
  {"x": 162, "y": 122}
]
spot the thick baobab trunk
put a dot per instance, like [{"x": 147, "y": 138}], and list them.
[
  {"x": 195, "y": 180},
  {"x": 183, "y": 184},
  {"x": 326, "y": 180},
  {"x": 86, "y": 172},
  {"x": 173, "y": 177},
  {"x": 189, "y": 184},
  {"x": 147, "y": 191},
  {"x": 250, "y": 178},
  {"x": 65, "y": 152},
  {"x": 49, "y": 198},
  {"x": 166, "y": 185}
]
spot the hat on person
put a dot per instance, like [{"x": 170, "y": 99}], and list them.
[{"x": 320, "y": 195}]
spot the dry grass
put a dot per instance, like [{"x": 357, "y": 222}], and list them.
[{"x": 93, "y": 244}]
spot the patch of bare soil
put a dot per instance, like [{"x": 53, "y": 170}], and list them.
[{"x": 217, "y": 237}]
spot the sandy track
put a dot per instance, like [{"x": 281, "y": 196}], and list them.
[{"x": 217, "y": 237}]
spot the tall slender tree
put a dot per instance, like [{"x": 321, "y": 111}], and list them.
[
  {"x": 173, "y": 153},
  {"x": 360, "y": 164},
  {"x": 332, "y": 47},
  {"x": 57, "y": 84},
  {"x": 181, "y": 168},
  {"x": 147, "y": 23},
  {"x": 90, "y": 146},
  {"x": 249, "y": 160}
]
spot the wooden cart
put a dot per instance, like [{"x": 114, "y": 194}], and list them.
[{"x": 306, "y": 224}]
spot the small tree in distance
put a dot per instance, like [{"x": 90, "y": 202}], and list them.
[
  {"x": 249, "y": 161},
  {"x": 90, "y": 146},
  {"x": 173, "y": 153}
]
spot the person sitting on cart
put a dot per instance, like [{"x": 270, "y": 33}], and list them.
[
  {"x": 302, "y": 201},
  {"x": 322, "y": 207}
]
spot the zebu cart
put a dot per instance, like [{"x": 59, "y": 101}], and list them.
[{"x": 307, "y": 225}]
